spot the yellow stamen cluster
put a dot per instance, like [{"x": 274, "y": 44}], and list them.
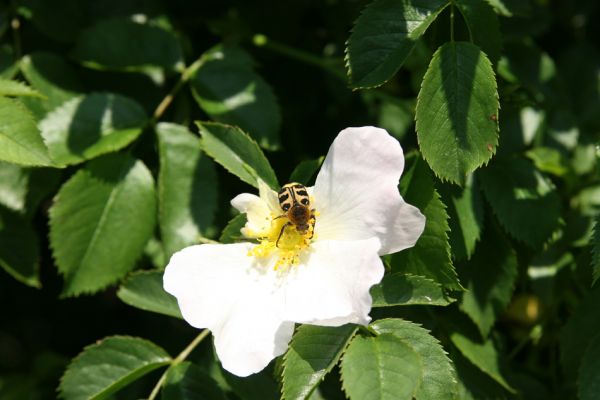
[{"x": 289, "y": 246}]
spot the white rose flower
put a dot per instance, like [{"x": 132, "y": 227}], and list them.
[{"x": 250, "y": 295}]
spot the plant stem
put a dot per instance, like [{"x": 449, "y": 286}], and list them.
[
  {"x": 15, "y": 25},
  {"x": 452, "y": 22},
  {"x": 330, "y": 65},
  {"x": 185, "y": 77},
  {"x": 180, "y": 357}
]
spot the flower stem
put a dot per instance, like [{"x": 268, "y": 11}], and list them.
[
  {"x": 185, "y": 77},
  {"x": 177, "y": 360}
]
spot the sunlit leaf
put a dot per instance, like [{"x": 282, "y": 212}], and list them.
[
  {"x": 431, "y": 255},
  {"x": 465, "y": 208},
  {"x": 229, "y": 90},
  {"x": 100, "y": 221},
  {"x": 400, "y": 289},
  {"x": 187, "y": 188},
  {"x": 438, "y": 378},
  {"x": 382, "y": 367},
  {"x": 237, "y": 152},
  {"x": 53, "y": 77},
  {"x": 16, "y": 88},
  {"x": 313, "y": 352},
  {"x": 109, "y": 365},
  {"x": 20, "y": 140},
  {"x": 187, "y": 381},
  {"x": 88, "y": 126},
  {"x": 457, "y": 111}
]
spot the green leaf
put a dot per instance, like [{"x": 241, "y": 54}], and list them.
[
  {"x": 489, "y": 278},
  {"x": 465, "y": 208},
  {"x": 382, "y": 367},
  {"x": 482, "y": 354},
  {"x": 187, "y": 381},
  {"x": 430, "y": 257},
  {"x": 589, "y": 379},
  {"x": 16, "y": 88},
  {"x": 474, "y": 384},
  {"x": 548, "y": 160},
  {"x": 88, "y": 126},
  {"x": 580, "y": 329},
  {"x": 525, "y": 202},
  {"x": 232, "y": 231},
  {"x": 61, "y": 20},
  {"x": 595, "y": 242},
  {"x": 187, "y": 188},
  {"x": 50, "y": 75},
  {"x": 483, "y": 25},
  {"x": 457, "y": 111},
  {"x": 109, "y": 365},
  {"x": 438, "y": 378},
  {"x": 19, "y": 248},
  {"x": 100, "y": 221},
  {"x": 399, "y": 289},
  {"x": 527, "y": 65},
  {"x": 229, "y": 90},
  {"x": 144, "y": 290},
  {"x": 237, "y": 152},
  {"x": 305, "y": 170},
  {"x": 383, "y": 37},
  {"x": 13, "y": 186},
  {"x": 313, "y": 352},
  {"x": 8, "y": 65},
  {"x": 127, "y": 45},
  {"x": 20, "y": 140}
]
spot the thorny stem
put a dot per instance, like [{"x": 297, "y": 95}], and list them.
[
  {"x": 177, "y": 360},
  {"x": 185, "y": 77}
]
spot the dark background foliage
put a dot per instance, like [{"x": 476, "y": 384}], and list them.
[{"x": 536, "y": 311}]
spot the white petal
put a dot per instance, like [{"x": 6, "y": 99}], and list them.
[
  {"x": 221, "y": 288},
  {"x": 269, "y": 196},
  {"x": 257, "y": 212},
  {"x": 331, "y": 284},
  {"x": 356, "y": 192}
]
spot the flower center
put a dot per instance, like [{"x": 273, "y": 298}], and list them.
[{"x": 285, "y": 240}]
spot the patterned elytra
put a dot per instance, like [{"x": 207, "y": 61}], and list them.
[{"x": 292, "y": 194}]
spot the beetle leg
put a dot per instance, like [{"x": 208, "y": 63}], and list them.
[{"x": 281, "y": 232}]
